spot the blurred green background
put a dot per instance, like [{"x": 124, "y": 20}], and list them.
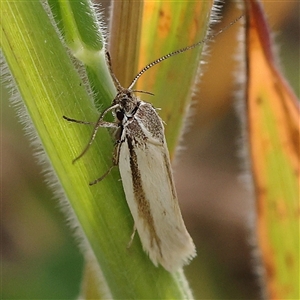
[{"x": 39, "y": 254}]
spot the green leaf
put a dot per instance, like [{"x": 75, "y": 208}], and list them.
[{"x": 166, "y": 27}]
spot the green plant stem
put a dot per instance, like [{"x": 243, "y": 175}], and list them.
[{"x": 50, "y": 88}]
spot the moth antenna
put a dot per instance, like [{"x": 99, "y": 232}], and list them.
[
  {"x": 115, "y": 80},
  {"x": 155, "y": 62},
  {"x": 143, "y": 92}
]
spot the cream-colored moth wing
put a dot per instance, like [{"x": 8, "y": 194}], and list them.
[{"x": 150, "y": 192}]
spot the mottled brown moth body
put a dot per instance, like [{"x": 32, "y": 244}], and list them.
[{"x": 143, "y": 159}]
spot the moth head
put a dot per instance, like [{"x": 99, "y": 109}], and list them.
[{"x": 126, "y": 104}]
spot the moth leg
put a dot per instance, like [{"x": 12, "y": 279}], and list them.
[
  {"x": 116, "y": 155},
  {"x": 115, "y": 162},
  {"x": 79, "y": 121},
  {"x": 92, "y": 138},
  {"x": 132, "y": 237},
  {"x": 103, "y": 176},
  {"x": 98, "y": 124}
]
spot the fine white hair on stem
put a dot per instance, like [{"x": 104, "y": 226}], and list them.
[
  {"x": 215, "y": 17},
  {"x": 245, "y": 176},
  {"x": 40, "y": 155}
]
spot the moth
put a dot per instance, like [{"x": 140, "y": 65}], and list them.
[{"x": 143, "y": 158}]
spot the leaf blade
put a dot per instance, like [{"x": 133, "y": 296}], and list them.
[{"x": 274, "y": 131}]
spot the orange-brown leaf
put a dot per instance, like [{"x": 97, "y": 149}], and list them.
[{"x": 273, "y": 122}]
